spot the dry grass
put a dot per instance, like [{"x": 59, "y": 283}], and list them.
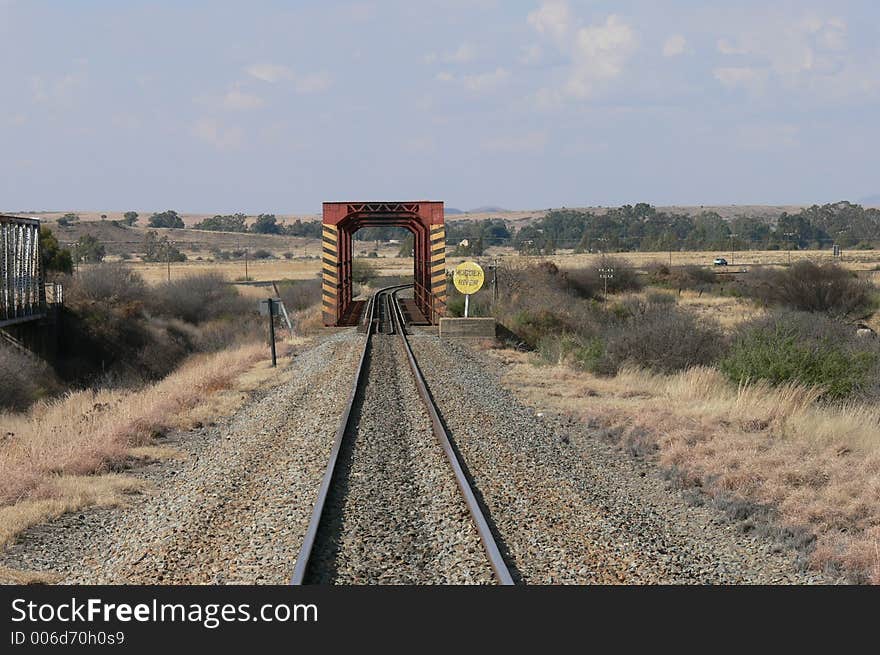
[
  {"x": 65, "y": 454},
  {"x": 13, "y": 576},
  {"x": 66, "y": 493},
  {"x": 817, "y": 467},
  {"x": 258, "y": 271},
  {"x": 727, "y": 311}
]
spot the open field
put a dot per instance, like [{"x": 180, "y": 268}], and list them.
[
  {"x": 856, "y": 259},
  {"x": 389, "y": 264},
  {"x": 258, "y": 271},
  {"x": 118, "y": 239}
]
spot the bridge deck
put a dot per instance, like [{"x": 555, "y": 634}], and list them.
[{"x": 21, "y": 319}]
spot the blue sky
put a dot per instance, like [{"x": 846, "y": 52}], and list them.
[{"x": 276, "y": 106}]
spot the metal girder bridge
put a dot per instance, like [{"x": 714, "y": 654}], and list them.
[
  {"x": 424, "y": 219},
  {"x": 20, "y": 271}
]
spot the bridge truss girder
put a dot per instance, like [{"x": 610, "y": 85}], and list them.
[
  {"x": 20, "y": 270},
  {"x": 424, "y": 219}
]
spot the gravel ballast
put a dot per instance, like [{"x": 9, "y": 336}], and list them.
[
  {"x": 569, "y": 507},
  {"x": 233, "y": 511},
  {"x": 395, "y": 514}
]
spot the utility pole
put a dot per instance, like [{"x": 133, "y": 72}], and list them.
[
  {"x": 246, "y": 265},
  {"x": 271, "y": 304},
  {"x": 732, "y": 235},
  {"x": 168, "y": 260},
  {"x": 789, "y": 235}
]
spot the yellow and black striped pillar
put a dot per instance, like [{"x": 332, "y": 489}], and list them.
[
  {"x": 438, "y": 272},
  {"x": 330, "y": 270}
]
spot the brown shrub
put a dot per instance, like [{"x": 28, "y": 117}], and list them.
[
  {"x": 198, "y": 298},
  {"x": 300, "y": 294},
  {"x": 107, "y": 282},
  {"x": 26, "y": 379},
  {"x": 810, "y": 287},
  {"x": 587, "y": 283},
  {"x": 662, "y": 338}
]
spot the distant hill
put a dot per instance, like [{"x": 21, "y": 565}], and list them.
[
  {"x": 487, "y": 210},
  {"x": 452, "y": 210},
  {"x": 870, "y": 201}
]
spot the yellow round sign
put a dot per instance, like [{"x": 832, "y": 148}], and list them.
[{"x": 468, "y": 277}]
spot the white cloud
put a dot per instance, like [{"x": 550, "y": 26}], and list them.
[
  {"x": 807, "y": 52},
  {"x": 59, "y": 91},
  {"x": 270, "y": 72},
  {"x": 463, "y": 54},
  {"x": 482, "y": 82},
  {"x": 552, "y": 19},
  {"x": 221, "y": 137},
  {"x": 597, "y": 53},
  {"x": 674, "y": 45},
  {"x": 522, "y": 143},
  {"x": 237, "y": 100}
]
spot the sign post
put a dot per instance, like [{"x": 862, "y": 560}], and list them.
[
  {"x": 468, "y": 278},
  {"x": 606, "y": 274},
  {"x": 270, "y": 307}
]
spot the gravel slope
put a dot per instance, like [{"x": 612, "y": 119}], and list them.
[
  {"x": 395, "y": 515},
  {"x": 234, "y": 511},
  {"x": 569, "y": 507}
]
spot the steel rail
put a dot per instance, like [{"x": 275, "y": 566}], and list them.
[
  {"x": 373, "y": 311},
  {"x": 305, "y": 552},
  {"x": 493, "y": 553}
]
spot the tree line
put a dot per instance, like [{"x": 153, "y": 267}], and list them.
[{"x": 642, "y": 227}]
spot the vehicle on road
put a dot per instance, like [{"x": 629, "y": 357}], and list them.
[{"x": 719, "y": 261}]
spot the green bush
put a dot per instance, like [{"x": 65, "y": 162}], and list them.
[
  {"x": 362, "y": 271},
  {"x": 532, "y": 326},
  {"x": 807, "y": 350},
  {"x": 479, "y": 304}
]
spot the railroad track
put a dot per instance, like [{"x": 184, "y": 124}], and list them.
[{"x": 394, "y": 505}]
